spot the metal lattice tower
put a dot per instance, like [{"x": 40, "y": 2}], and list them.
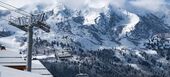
[{"x": 27, "y": 25}]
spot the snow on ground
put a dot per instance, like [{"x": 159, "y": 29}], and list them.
[
  {"x": 9, "y": 72},
  {"x": 9, "y": 43},
  {"x": 152, "y": 52},
  {"x": 43, "y": 56},
  {"x": 90, "y": 18},
  {"x": 135, "y": 66},
  {"x": 127, "y": 44},
  {"x": 138, "y": 54},
  {"x": 163, "y": 60},
  {"x": 167, "y": 19},
  {"x": 133, "y": 20}
]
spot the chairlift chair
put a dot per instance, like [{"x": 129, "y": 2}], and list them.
[{"x": 81, "y": 74}]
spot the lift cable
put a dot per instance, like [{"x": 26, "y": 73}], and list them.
[
  {"x": 6, "y": 6},
  {"x": 17, "y": 10}
]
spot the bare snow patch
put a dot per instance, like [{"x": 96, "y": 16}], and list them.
[
  {"x": 152, "y": 52},
  {"x": 10, "y": 43},
  {"x": 133, "y": 20},
  {"x": 163, "y": 60},
  {"x": 135, "y": 66},
  {"x": 138, "y": 54},
  {"x": 90, "y": 18}
]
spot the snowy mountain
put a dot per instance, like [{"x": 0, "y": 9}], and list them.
[{"x": 108, "y": 34}]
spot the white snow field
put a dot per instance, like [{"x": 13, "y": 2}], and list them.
[
  {"x": 9, "y": 72},
  {"x": 133, "y": 20},
  {"x": 9, "y": 43}
]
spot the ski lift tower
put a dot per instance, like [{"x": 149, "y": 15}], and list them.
[
  {"x": 81, "y": 74},
  {"x": 27, "y": 24}
]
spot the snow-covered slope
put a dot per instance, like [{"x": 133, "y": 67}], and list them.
[
  {"x": 94, "y": 27},
  {"x": 109, "y": 28},
  {"x": 10, "y": 42},
  {"x": 133, "y": 20}
]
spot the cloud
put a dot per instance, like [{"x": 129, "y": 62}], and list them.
[
  {"x": 151, "y": 5},
  {"x": 98, "y": 3},
  {"x": 118, "y": 3},
  {"x": 73, "y": 4},
  {"x": 81, "y": 4},
  {"x": 30, "y": 3}
]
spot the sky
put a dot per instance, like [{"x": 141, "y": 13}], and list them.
[{"x": 151, "y": 5}]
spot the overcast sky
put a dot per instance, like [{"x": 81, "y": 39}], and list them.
[{"x": 153, "y": 5}]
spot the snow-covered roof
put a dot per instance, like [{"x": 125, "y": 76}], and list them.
[
  {"x": 8, "y": 58},
  {"x": 9, "y": 72},
  {"x": 38, "y": 67}
]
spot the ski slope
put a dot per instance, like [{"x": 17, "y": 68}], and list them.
[{"x": 10, "y": 42}]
